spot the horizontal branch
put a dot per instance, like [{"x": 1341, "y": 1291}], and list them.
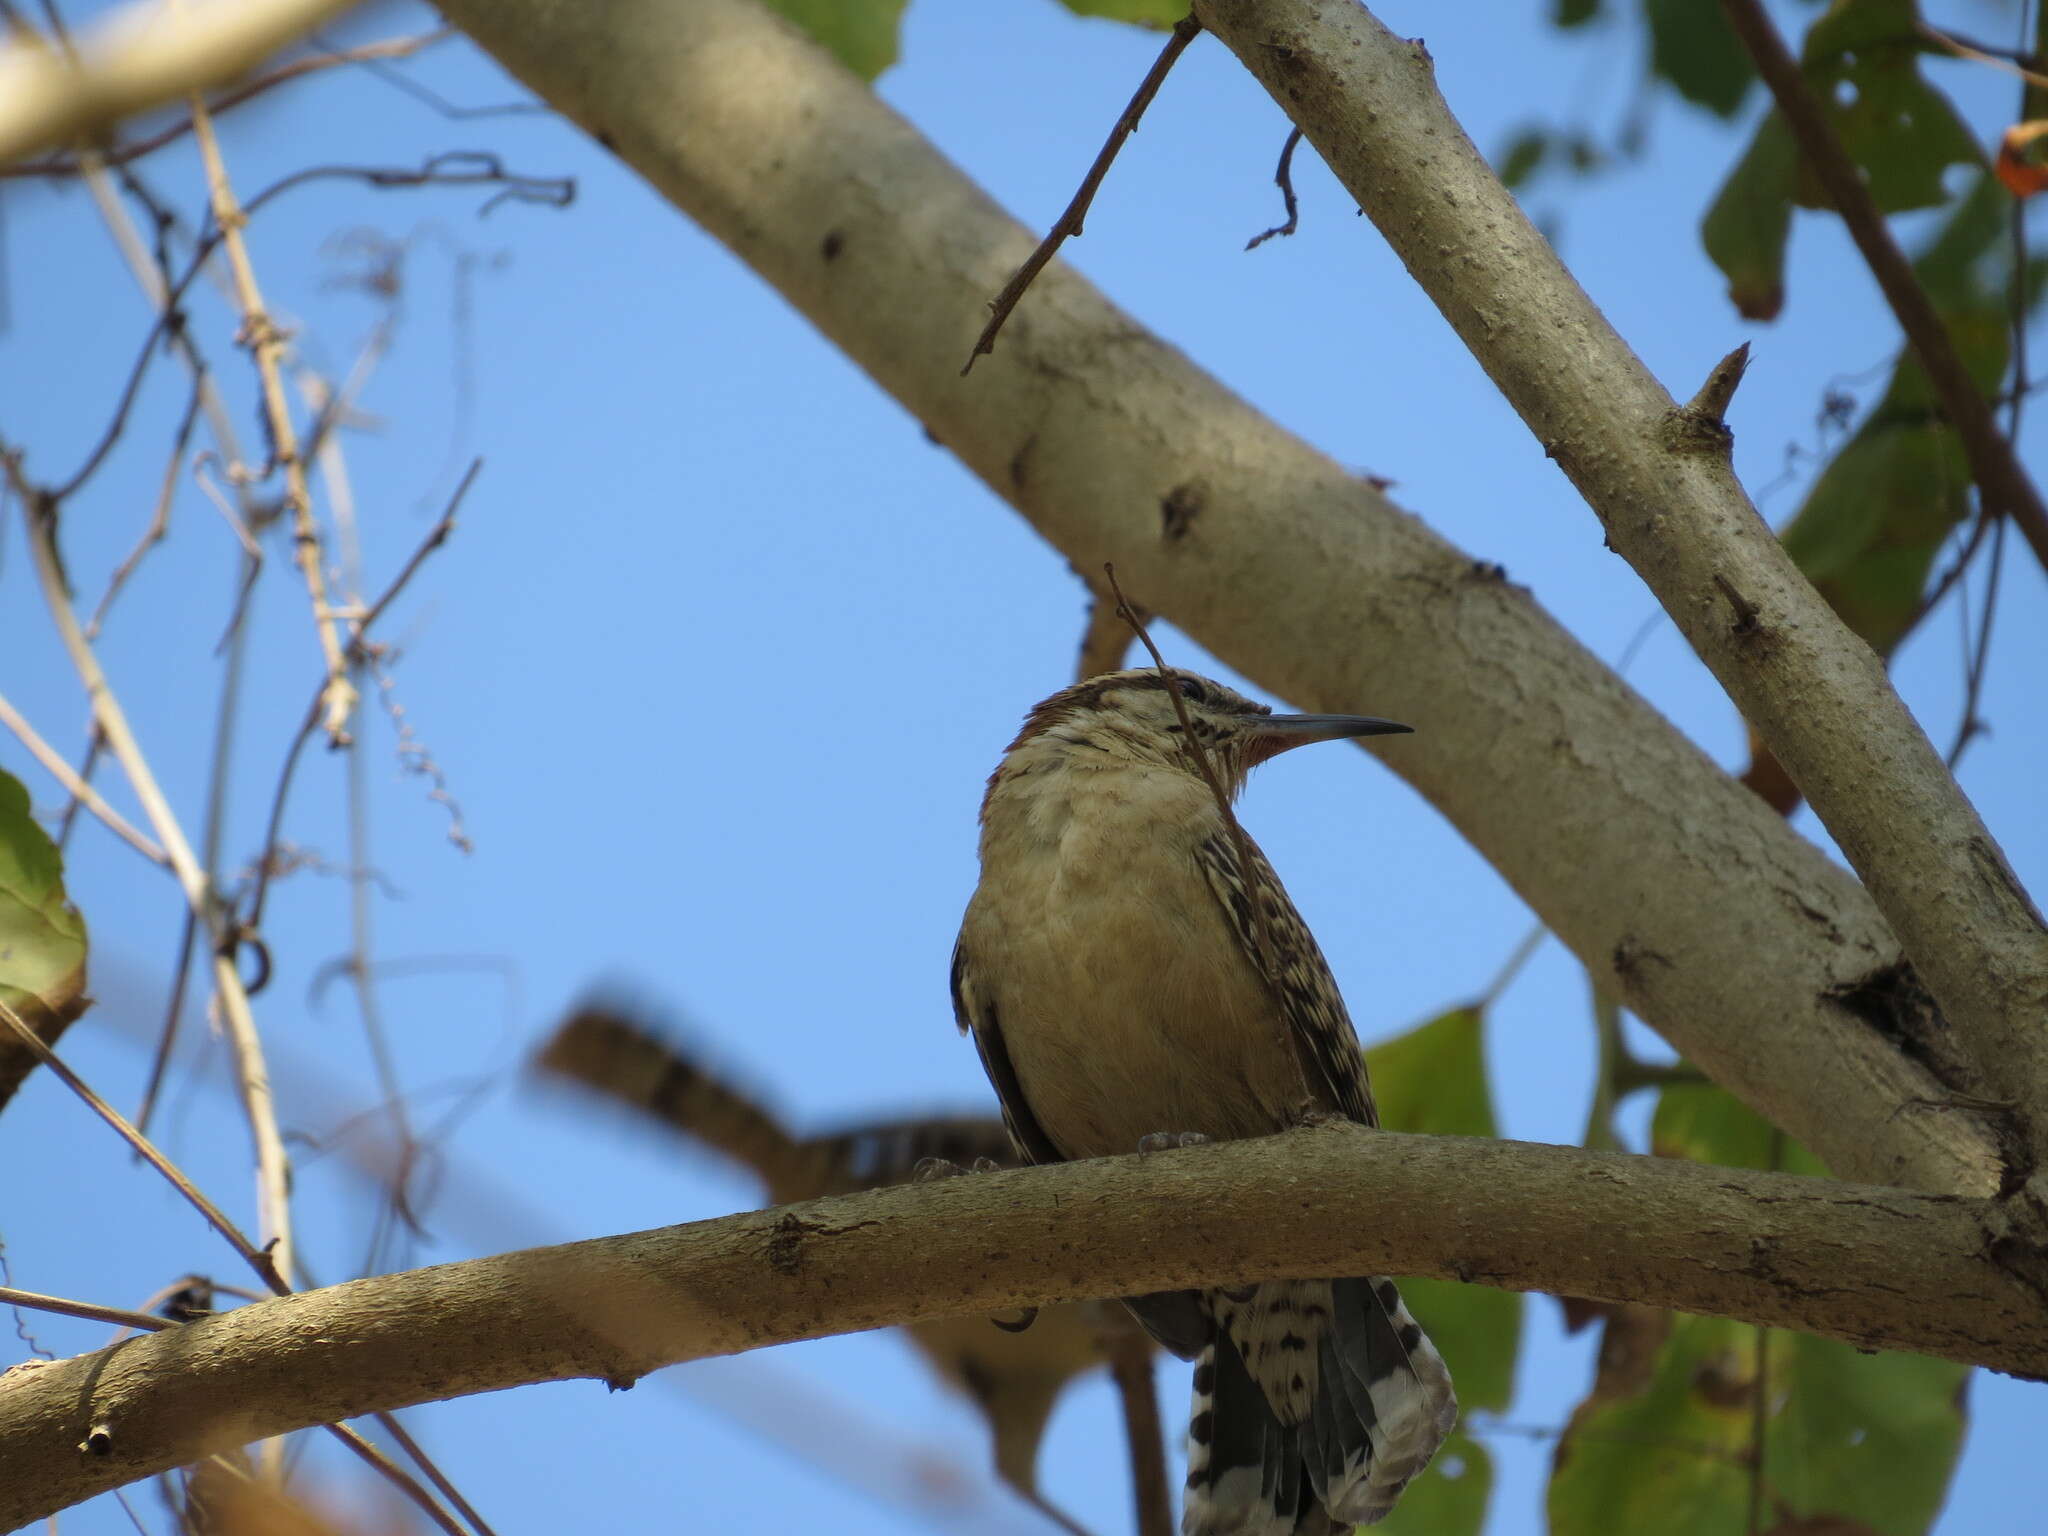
[
  {"x": 1732, "y": 935},
  {"x": 1874, "y": 1267},
  {"x": 1658, "y": 478}
]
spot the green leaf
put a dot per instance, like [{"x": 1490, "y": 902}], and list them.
[
  {"x": 1750, "y": 219},
  {"x": 42, "y": 938},
  {"x": 1667, "y": 1459},
  {"x": 861, "y": 34},
  {"x": 1862, "y": 61},
  {"x": 1450, "y": 1497},
  {"x": 1523, "y": 156},
  {"x": 1432, "y": 1081},
  {"x": 1865, "y": 1438},
  {"x": 1159, "y": 15},
  {"x": 1693, "y": 47},
  {"x": 1573, "y": 13},
  {"x": 1584, "y": 154},
  {"x": 1871, "y": 525},
  {"x": 1862, "y": 58},
  {"x": 1848, "y": 1437},
  {"x": 1710, "y": 1125}
]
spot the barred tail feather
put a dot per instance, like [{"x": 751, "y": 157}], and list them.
[
  {"x": 1246, "y": 1476},
  {"x": 1390, "y": 1381},
  {"x": 1380, "y": 1404}
]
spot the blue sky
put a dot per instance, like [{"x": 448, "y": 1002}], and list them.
[{"x": 723, "y": 648}]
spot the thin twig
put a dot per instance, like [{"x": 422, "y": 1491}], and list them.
[
  {"x": 330, "y": 404},
  {"x": 1283, "y": 178},
  {"x": 1512, "y": 966},
  {"x": 1069, "y": 223},
  {"x": 481, "y": 169},
  {"x": 1972, "y": 724},
  {"x": 272, "y": 1169},
  {"x": 1993, "y": 464},
  {"x": 413, "y": 755},
  {"x": 21, "y": 1328},
  {"x": 359, "y": 650},
  {"x": 441, "y": 104},
  {"x": 435, "y": 1475},
  {"x": 1105, "y": 638},
  {"x": 91, "y": 1311},
  {"x": 95, "y": 744},
  {"x": 1258, "y": 934},
  {"x": 165, "y": 296},
  {"x": 266, "y": 342},
  {"x": 80, "y": 791},
  {"x": 253, "y": 919},
  {"x": 454, "y": 168},
  {"x": 1130, "y": 1366},
  {"x": 436, "y": 537},
  {"x": 160, "y": 522},
  {"x": 403, "y": 1479},
  {"x": 252, "y": 552},
  {"x": 257, "y": 1259},
  {"x": 1948, "y": 578},
  {"x": 1957, "y": 46}
]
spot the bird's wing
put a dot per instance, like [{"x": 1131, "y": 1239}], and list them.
[
  {"x": 618, "y": 1049},
  {"x": 1284, "y": 953},
  {"x": 974, "y": 1011},
  {"x": 622, "y": 1051},
  {"x": 1177, "y": 1319}
]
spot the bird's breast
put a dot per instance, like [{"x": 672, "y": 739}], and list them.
[{"x": 1124, "y": 999}]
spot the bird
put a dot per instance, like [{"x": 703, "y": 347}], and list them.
[
  {"x": 1014, "y": 1377},
  {"x": 1134, "y": 976}
]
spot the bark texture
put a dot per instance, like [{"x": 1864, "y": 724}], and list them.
[
  {"x": 1875, "y": 1267},
  {"x": 1659, "y": 478},
  {"x": 1730, "y": 934}
]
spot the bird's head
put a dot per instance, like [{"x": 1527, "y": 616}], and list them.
[{"x": 1129, "y": 719}]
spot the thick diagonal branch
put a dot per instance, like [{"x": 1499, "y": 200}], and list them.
[
  {"x": 1715, "y": 922},
  {"x": 1875, "y": 1267},
  {"x": 1658, "y": 478}
]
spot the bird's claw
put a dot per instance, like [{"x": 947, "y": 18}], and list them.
[
  {"x": 927, "y": 1169},
  {"x": 1167, "y": 1141}
]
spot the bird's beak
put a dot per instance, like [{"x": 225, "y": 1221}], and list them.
[{"x": 1276, "y": 733}]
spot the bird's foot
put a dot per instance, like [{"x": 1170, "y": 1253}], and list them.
[
  {"x": 930, "y": 1168},
  {"x": 1166, "y": 1141}
]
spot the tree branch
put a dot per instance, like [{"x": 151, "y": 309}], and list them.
[
  {"x": 1994, "y": 464},
  {"x": 1658, "y": 478},
  {"x": 138, "y": 60},
  {"x": 1874, "y": 1267},
  {"x": 248, "y": 90},
  {"x": 1725, "y": 930}
]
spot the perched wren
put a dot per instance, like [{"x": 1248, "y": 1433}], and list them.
[{"x": 1131, "y": 983}]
